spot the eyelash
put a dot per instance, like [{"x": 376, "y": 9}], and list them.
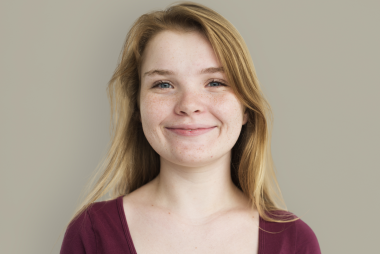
[{"x": 165, "y": 82}]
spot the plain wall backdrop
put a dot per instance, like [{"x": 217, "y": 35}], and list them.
[{"x": 318, "y": 64}]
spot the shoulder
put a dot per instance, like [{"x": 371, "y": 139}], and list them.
[
  {"x": 306, "y": 241},
  {"x": 96, "y": 212},
  {"x": 295, "y": 236},
  {"x": 85, "y": 233}
]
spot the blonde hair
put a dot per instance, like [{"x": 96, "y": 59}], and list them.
[{"x": 131, "y": 162}]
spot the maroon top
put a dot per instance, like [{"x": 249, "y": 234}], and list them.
[{"x": 103, "y": 229}]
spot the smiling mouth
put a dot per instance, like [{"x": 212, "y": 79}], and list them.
[
  {"x": 188, "y": 129},
  {"x": 190, "y": 132}
]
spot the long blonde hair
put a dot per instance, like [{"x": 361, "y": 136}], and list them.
[{"x": 131, "y": 162}]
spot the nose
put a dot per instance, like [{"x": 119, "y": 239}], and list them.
[{"x": 189, "y": 103}]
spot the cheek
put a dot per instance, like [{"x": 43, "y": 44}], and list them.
[
  {"x": 229, "y": 109},
  {"x": 153, "y": 109}
]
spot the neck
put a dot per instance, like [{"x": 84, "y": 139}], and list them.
[{"x": 198, "y": 192}]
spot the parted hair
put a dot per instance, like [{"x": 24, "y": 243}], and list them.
[{"x": 131, "y": 162}]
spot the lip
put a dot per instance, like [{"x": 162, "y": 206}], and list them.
[
  {"x": 190, "y": 129},
  {"x": 190, "y": 126}
]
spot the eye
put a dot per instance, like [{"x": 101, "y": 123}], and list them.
[
  {"x": 164, "y": 85},
  {"x": 161, "y": 85},
  {"x": 216, "y": 83}
]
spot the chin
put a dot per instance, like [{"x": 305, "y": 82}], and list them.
[{"x": 192, "y": 159}]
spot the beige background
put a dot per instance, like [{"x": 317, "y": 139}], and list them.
[{"x": 318, "y": 62}]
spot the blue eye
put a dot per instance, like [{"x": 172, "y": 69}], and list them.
[
  {"x": 162, "y": 85},
  {"x": 216, "y": 84},
  {"x": 165, "y": 85}
]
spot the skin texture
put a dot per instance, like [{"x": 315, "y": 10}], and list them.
[
  {"x": 187, "y": 97},
  {"x": 192, "y": 204}
]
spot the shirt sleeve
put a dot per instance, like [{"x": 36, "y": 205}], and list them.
[
  {"x": 307, "y": 242},
  {"x": 79, "y": 236}
]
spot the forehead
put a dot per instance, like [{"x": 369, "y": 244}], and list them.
[{"x": 179, "y": 51}]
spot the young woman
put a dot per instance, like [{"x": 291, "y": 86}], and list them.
[{"x": 189, "y": 167}]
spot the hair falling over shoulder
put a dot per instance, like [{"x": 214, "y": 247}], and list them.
[{"x": 131, "y": 162}]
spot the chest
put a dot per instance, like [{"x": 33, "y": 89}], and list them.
[{"x": 237, "y": 233}]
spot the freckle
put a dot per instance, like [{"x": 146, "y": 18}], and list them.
[{"x": 169, "y": 213}]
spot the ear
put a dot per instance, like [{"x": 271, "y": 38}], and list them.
[
  {"x": 245, "y": 117},
  {"x": 139, "y": 116}
]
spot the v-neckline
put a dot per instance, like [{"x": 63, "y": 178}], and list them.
[{"x": 128, "y": 237}]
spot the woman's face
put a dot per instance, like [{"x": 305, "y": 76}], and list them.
[{"x": 182, "y": 88}]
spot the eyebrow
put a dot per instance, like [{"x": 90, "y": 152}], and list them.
[{"x": 169, "y": 72}]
